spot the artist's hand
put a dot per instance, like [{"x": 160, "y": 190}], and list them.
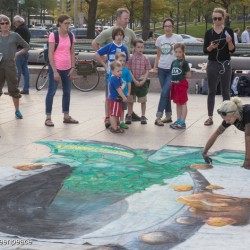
[{"x": 206, "y": 158}]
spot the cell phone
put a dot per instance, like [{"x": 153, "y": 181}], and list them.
[{"x": 216, "y": 41}]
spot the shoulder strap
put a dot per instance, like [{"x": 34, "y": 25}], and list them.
[
  {"x": 70, "y": 38},
  {"x": 56, "y": 34}
]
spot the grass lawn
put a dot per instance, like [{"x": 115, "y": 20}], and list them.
[{"x": 198, "y": 30}]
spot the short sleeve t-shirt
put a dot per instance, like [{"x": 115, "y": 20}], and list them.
[
  {"x": 114, "y": 84},
  {"x": 178, "y": 70},
  {"x": 62, "y": 56},
  {"x": 240, "y": 124},
  {"x": 166, "y": 45},
  {"x": 125, "y": 79},
  {"x": 110, "y": 50}
]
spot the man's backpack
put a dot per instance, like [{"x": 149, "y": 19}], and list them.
[
  {"x": 56, "y": 34},
  {"x": 243, "y": 86}
]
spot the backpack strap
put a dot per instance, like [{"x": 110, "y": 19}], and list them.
[
  {"x": 56, "y": 34},
  {"x": 70, "y": 38}
]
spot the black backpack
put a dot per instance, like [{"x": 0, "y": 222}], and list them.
[
  {"x": 56, "y": 34},
  {"x": 243, "y": 86}
]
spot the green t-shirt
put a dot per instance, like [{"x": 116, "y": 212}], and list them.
[{"x": 179, "y": 69}]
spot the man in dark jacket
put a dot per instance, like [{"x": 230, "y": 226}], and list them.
[{"x": 22, "y": 61}]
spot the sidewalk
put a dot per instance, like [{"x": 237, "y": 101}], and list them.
[{"x": 18, "y": 146}]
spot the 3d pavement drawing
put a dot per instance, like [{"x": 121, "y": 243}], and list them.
[{"x": 102, "y": 194}]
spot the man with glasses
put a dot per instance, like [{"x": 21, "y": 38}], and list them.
[
  {"x": 22, "y": 61},
  {"x": 233, "y": 113},
  {"x": 8, "y": 48}
]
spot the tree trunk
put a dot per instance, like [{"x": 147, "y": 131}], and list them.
[
  {"x": 146, "y": 19},
  {"x": 91, "y": 18}
]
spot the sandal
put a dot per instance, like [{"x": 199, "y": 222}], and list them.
[
  {"x": 116, "y": 131},
  {"x": 49, "y": 123},
  {"x": 70, "y": 120},
  {"x": 209, "y": 122}
]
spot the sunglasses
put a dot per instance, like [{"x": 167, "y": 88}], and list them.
[
  {"x": 7, "y": 23},
  {"x": 223, "y": 113},
  {"x": 217, "y": 18}
]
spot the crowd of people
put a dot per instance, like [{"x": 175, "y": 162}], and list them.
[{"x": 126, "y": 76}]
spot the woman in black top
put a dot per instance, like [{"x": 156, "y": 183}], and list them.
[
  {"x": 218, "y": 44},
  {"x": 232, "y": 113}
]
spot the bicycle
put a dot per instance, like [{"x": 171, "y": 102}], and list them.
[{"x": 86, "y": 76}]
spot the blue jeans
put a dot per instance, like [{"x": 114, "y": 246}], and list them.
[
  {"x": 165, "y": 101},
  {"x": 66, "y": 87},
  {"x": 22, "y": 68}
]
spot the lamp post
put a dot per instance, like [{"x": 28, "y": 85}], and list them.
[
  {"x": 75, "y": 13},
  {"x": 178, "y": 16},
  {"x": 81, "y": 15}
]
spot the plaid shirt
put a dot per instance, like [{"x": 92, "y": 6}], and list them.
[{"x": 138, "y": 65}]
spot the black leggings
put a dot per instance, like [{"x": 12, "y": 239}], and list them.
[{"x": 218, "y": 72}]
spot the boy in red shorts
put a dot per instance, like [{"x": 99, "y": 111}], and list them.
[{"x": 116, "y": 97}]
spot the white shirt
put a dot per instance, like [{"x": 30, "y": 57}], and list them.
[
  {"x": 245, "y": 37},
  {"x": 166, "y": 45},
  {"x": 236, "y": 38}
]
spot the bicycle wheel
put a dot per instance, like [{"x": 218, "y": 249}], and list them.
[
  {"x": 87, "y": 81},
  {"x": 43, "y": 77}
]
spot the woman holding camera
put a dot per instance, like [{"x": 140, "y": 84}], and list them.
[{"x": 218, "y": 44}]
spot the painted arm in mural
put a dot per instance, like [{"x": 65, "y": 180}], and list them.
[
  {"x": 246, "y": 163},
  {"x": 210, "y": 143}
]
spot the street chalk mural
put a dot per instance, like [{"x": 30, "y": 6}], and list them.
[{"x": 101, "y": 194}]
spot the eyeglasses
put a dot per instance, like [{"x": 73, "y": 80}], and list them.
[
  {"x": 223, "y": 113},
  {"x": 217, "y": 18},
  {"x": 5, "y": 23}
]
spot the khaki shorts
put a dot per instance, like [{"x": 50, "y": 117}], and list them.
[
  {"x": 8, "y": 73},
  {"x": 132, "y": 99}
]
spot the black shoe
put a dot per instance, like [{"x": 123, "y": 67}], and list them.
[
  {"x": 128, "y": 119},
  {"x": 143, "y": 120},
  {"x": 24, "y": 92},
  {"x": 135, "y": 117}
]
